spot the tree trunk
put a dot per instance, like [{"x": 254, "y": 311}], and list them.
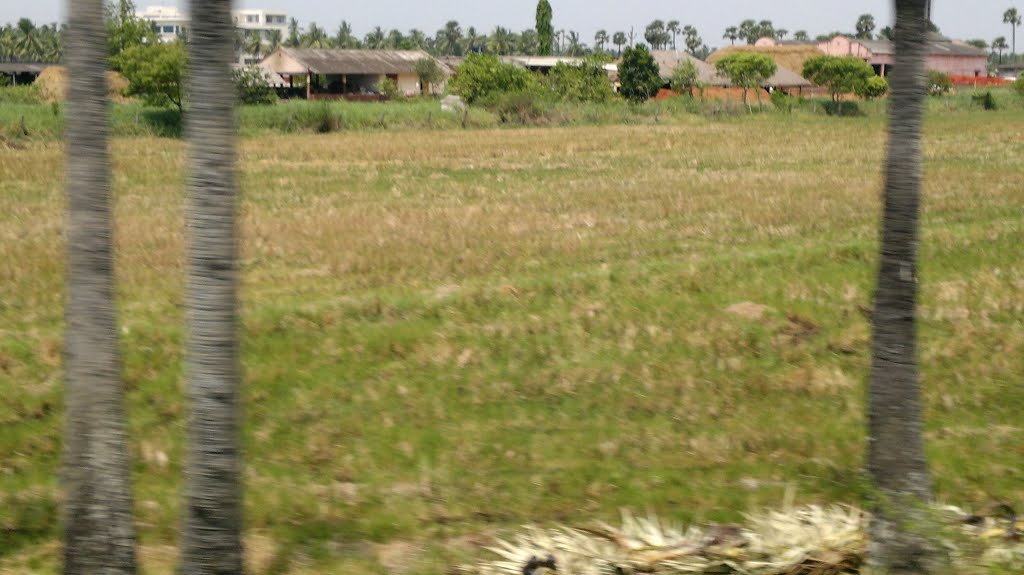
[
  {"x": 896, "y": 454},
  {"x": 211, "y": 542},
  {"x": 98, "y": 533}
]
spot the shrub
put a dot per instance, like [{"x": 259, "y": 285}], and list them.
[
  {"x": 518, "y": 107},
  {"x": 639, "y": 74},
  {"x": 252, "y": 88},
  {"x": 842, "y": 108},
  {"x": 875, "y": 87},
  {"x": 939, "y": 84},
  {"x": 481, "y": 75},
  {"x": 684, "y": 78},
  {"x": 4, "y": 81},
  {"x": 586, "y": 82},
  {"x": 783, "y": 102}
]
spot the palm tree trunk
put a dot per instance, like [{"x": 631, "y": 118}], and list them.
[
  {"x": 896, "y": 454},
  {"x": 98, "y": 533},
  {"x": 211, "y": 542}
]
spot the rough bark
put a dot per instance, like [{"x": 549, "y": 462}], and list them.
[
  {"x": 99, "y": 536},
  {"x": 896, "y": 454},
  {"x": 211, "y": 542}
]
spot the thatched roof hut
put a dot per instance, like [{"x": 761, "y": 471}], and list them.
[{"x": 791, "y": 57}]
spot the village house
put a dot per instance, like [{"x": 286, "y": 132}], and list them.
[
  {"x": 668, "y": 60},
  {"x": 950, "y": 57},
  {"x": 331, "y": 74}
]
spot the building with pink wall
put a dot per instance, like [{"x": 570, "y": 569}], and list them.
[{"x": 948, "y": 56}]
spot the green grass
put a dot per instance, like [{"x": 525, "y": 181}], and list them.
[{"x": 450, "y": 333}]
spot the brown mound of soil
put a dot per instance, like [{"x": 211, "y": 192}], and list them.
[{"x": 53, "y": 85}]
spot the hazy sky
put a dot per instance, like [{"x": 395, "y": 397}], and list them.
[{"x": 958, "y": 19}]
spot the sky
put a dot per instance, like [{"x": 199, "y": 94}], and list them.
[{"x": 957, "y": 19}]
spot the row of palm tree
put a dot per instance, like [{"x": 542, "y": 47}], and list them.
[{"x": 26, "y": 42}]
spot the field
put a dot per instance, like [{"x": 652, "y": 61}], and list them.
[{"x": 450, "y": 333}]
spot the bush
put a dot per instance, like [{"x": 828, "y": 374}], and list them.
[
  {"x": 389, "y": 89},
  {"x": 783, "y": 102},
  {"x": 480, "y": 76},
  {"x": 985, "y": 100},
  {"x": 639, "y": 74},
  {"x": 843, "y": 108},
  {"x": 587, "y": 82},
  {"x": 875, "y": 87},
  {"x": 939, "y": 84},
  {"x": 252, "y": 88},
  {"x": 1018, "y": 86},
  {"x": 519, "y": 107}
]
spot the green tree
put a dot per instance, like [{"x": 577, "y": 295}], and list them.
[
  {"x": 211, "y": 540},
  {"x": 274, "y": 39},
  {"x": 254, "y": 44},
  {"x": 801, "y": 36},
  {"x": 585, "y": 82},
  {"x": 1013, "y": 18},
  {"x": 545, "y": 29},
  {"x": 684, "y": 77},
  {"x": 979, "y": 44},
  {"x": 449, "y": 38},
  {"x": 481, "y": 75},
  {"x": 692, "y": 39},
  {"x": 639, "y": 75},
  {"x": 156, "y": 73},
  {"x": 99, "y": 536},
  {"x": 343, "y": 37},
  {"x": 900, "y": 529},
  {"x": 886, "y": 32},
  {"x": 746, "y": 70},
  {"x": 748, "y": 31},
  {"x": 429, "y": 73},
  {"x": 842, "y": 75},
  {"x": 657, "y": 35},
  {"x": 600, "y": 39},
  {"x": 125, "y": 30},
  {"x": 866, "y": 27},
  {"x": 315, "y": 37}
]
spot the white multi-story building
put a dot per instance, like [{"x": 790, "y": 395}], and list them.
[{"x": 171, "y": 23}]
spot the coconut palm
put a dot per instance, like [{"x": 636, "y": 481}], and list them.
[
  {"x": 294, "y": 34},
  {"x": 417, "y": 39},
  {"x": 98, "y": 533},
  {"x": 343, "y": 37},
  {"x": 896, "y": 455},
  {"x": 501, "y": 42},
  {"x": 619, "y": 39},
  {"x": 999, "y": 45},
  {"x": 395, "y": 40},
  {"x": 600, "y": 39},
  {"x": 673, "y": 28},
  {"x": 315, "y": 37},
  {"x": 375, "y": 39},
  {"x": 1013, "y": 18},
  {"x": 273, "y": 41},
  {"x": 473, "y": 40},
  {"x": 574, "y": 47},
  {"x": 254, "y": 43},
  {"x": 732, "y": 33},
  {"x": 212, "y": 533},
  {"x": 449, "y": 38}
]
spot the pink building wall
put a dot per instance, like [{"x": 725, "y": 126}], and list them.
[{"x": 964, "y": 65}]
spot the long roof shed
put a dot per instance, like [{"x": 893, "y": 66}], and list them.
[{"x": 348, "y": 72}]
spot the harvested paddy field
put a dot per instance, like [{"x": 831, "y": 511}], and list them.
[{"x": 448, "y": 334}]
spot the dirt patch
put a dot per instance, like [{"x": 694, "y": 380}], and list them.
[
  {"x": 53, "y": 85},
  {"x": 749, "y": 310},
  {"x": 398, "y": 556}
]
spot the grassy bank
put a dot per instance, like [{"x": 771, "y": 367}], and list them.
[
  {"x": 21, "y": 117},
  {"x": 448, "y": 337}
]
